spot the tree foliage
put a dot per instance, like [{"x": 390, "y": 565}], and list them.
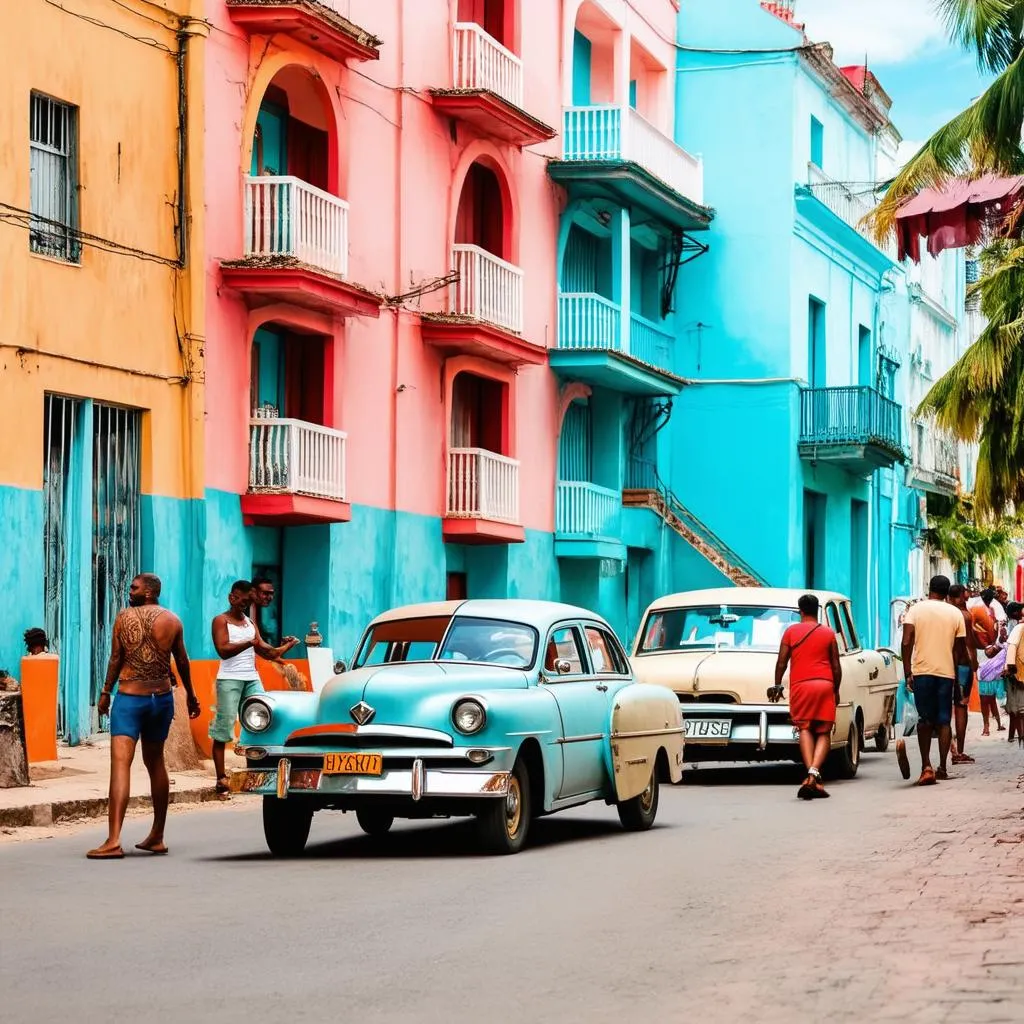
[{"x": 966, "y": 540}]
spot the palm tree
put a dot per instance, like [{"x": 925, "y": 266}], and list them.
[
  {"x": 986, "y": 137},
  {"x": 981, "y": 397},
  {"x": 955, "y": 531}
]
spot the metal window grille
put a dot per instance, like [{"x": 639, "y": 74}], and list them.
[
  {"x": 53, "y": 173},
  {"x": 112, "y": 552},
  {"x": 117, "y": 535}
]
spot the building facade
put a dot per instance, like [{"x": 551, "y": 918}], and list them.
[{"x": 100, "y": 363}]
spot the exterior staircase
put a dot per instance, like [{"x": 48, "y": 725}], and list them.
[{"x": 664, "y": 504}]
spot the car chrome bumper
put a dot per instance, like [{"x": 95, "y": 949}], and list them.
[
  {"x": 758, "y": 725},
  {"x": 416, "y": 783}
]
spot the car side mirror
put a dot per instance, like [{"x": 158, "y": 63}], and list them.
[
  {"x": 339, "y": 667},
  {"x": 563, "y": 666}
]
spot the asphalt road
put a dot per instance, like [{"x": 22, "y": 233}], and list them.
[{"x": 742, "y": 900}]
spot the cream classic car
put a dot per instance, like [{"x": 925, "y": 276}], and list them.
[{"x": 717, "y": 650}]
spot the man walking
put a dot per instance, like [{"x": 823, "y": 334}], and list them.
[
  {"x": 964, "y": 682},
  {"x": 237, "y": 641},
  {"x": 934, "y": 643},
  {"x": 1015, "y": 673},
  {"x": 145, "y": 639},
  {"x": 815, "y": 672}
]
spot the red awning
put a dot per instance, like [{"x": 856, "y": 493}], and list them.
[{"x": 954, "y": 216}]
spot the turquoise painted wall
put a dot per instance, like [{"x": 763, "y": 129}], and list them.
[{"x": 21, "y": 569}]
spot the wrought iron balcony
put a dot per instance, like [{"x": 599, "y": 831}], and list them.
[
  {"x": 936, "y": 463},
  {"x": 855, "y": 427},
  {"x": 847, "y": 206}
]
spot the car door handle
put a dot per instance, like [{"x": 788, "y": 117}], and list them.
[
  {"x": 861, "y": 660},
  {"x": 873, "y": 674},
  {"x": 603, "y": 687}
]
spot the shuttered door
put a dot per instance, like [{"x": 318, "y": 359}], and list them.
[{"x": 574, "y": 447}]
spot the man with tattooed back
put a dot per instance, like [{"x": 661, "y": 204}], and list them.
[{"x": 146, "y": 637}]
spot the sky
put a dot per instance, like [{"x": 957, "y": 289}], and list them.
[{"x": 905, "y": 41}]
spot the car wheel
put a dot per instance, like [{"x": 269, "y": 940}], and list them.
[
  {"x": 374, "y": 823},
  {"x": 504, "y": 823},
  {"x": 845, "y": 762},
  {"x": 286, "y": 825},
  {"x": 638, "y": 813},
  {"x": 882, "y": 739}
]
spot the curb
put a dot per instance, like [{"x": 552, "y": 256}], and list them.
[{"x": 44, "y": 814}]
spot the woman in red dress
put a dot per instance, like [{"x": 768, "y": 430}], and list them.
[{"x": 812, "y": 654}]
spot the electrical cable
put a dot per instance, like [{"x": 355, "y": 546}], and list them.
[{"x": 146, "y": 40}]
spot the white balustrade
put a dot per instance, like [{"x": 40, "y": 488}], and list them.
[
  {"x": 482, "y": 485},
  {"x": 488, "y": 288},
  {"x": 583, "y": 508},
  {"x": 285, "y": 216},
  {"x": 616, "y": 133},
  {"x": 481, "y": 62},
  {"x": 846, "y": 206},
  {"x": 294, "y": 457}
]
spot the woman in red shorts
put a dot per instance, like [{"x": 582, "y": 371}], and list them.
[{"x": 812, "y": 654}]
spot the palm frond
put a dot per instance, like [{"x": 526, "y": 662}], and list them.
[
  {"x": 991, "y": 28},
  {"x": 986, "y": 137}
]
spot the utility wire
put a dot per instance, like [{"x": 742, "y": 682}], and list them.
[
  {"x": 26, "y": 218},
  {"x": 99, "y": 23}
]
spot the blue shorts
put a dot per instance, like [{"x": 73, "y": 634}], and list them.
[
  {"x": 933, "y": 697},
  {"x": 964, "y": 684},
  {"x": 149, "y": 717}
]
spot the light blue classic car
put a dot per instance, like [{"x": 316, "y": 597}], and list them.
[{"x": 504, "y": 710}]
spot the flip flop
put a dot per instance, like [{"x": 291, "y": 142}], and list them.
[
  {"x": 115, "y": 853},
  {"x": 820, "y": 792},
  {"x": 222, "y": 788},
  {"x": 901, "y": 758},
  {"x": 160, "y": 849},
  {"x": 806, "y": 790},
  {"x": 927, "y": 777},
  {"x": 941, "y": 775}
]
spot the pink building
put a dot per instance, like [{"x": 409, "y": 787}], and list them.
[
  {"x": 379, "y": 430},
  {"x": 385, "y": 243}
]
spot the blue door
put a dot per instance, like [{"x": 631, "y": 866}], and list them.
[{"x": 584, "y": 706}]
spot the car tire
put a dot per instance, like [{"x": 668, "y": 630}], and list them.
[
  {"x": 286, "y": 825},
  {"x": 844, "y": 763},
  {"x": 638, "y": 813},
  {"x": 503, "y": 824},
  {"x": 374, "y": 823},
  {"x": 882, "y": 739}
]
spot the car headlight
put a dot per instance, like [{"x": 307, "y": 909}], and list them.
[
  {"x": 469, "y": 716},
  {"x": 256, "y": 716}
]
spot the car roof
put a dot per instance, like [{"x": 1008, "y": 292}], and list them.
[
  {"x": 540, "y": 614},
  {"x": 780, "y": 597}
]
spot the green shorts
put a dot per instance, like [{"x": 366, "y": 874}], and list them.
[{"x": 230, "y": 694}]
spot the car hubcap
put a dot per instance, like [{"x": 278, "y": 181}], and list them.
[
  {"x": 513, "y": 807},
  {"x": 647, "y": 797}
]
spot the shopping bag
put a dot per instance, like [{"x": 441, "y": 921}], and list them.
[{"x": 910, "y": 716}]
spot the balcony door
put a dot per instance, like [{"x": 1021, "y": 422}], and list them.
[
  {"x": 287, "y": 375},
  {"x": 480, "y": 220},
  {"x": 478, "y": 413},
  {"x": 287, "y": 145},
  {"x": 816, "y": 375},
  {"x": 490, "y": 16}
]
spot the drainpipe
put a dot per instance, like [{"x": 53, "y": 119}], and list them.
[{"x": 397, "y": 313}]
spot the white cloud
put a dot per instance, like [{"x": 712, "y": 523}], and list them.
[
  {"x": 906, "y": 151},
  {"x": 888, "y": 31}
]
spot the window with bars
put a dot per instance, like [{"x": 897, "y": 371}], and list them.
[{"x": 53, "y": 173}]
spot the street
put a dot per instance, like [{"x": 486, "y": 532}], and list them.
[{"x": 884, "y": 902}]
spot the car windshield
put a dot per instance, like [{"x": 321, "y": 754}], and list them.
[
  {"x": 494, "y": 641},
  {"x": 707, "y": 627}
]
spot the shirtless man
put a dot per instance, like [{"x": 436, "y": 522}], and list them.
[
  {"x": 965, "y": 675},
  {"x": 146, "y": 637}
]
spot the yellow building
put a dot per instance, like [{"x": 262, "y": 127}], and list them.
[{"x": 102, "y": 298}]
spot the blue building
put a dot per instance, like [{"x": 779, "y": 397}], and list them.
[{"x": 791, "y": 441}]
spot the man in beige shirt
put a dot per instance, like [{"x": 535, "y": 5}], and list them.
[{"x": 934, "y": 643}]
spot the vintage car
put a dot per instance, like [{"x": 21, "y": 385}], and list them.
[
  {"x": 717, "y": 649},
  {"x": 501, "y": 709}
]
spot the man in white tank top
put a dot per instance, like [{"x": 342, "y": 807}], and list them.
[{"x": 238, "y": 642}]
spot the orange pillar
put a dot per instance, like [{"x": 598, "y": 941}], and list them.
[{"x": 39, "y": 699}]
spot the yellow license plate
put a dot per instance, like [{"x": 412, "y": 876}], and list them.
[{"x": 353, "y": 764}]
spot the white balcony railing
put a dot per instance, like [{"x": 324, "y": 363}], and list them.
[
  {"x": 482, "y": 485},
  {"x": 845, "y": 205},
  {"x": 481, "y": 62},
  {"x": 285, "y": 216},
  {"x": 620, "y": 133},
  {"x": 586, "y": 509},
  {"x": 588, "y": 320},
  {"x": 488, "y": 288},
  {"x": 295, "y": 457}
]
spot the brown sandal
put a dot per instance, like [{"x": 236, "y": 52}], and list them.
[
  {"x": 927, "y": 777},
  {"x": 806, "y": 790},
  {"x": 114, "y": 853}
]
